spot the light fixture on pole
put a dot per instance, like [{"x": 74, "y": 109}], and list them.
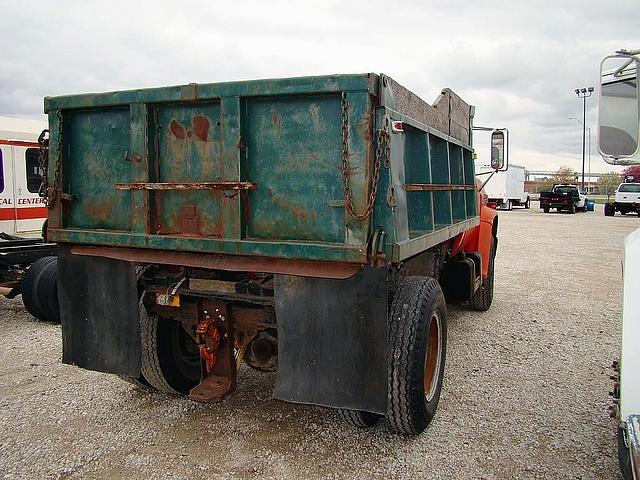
[{"x": 584, "y": 93}]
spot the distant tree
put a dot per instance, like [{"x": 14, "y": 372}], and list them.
[
  {"x": 634, "y": 171},
  {"x": 546, "y": 184},
  {"x": 564, "y": 175},
  {"x": 608, "y": 183}
]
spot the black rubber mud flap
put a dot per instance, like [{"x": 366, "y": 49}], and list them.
[
  {"x": 99, "y": 312},
  {"x": 332, "y": 340}
]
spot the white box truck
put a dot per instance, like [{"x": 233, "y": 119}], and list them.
[{"x": 505, "y": 189}]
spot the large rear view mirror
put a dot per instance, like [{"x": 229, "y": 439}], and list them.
[
  {"x": 498, "y": 149},
  {"x": 619, "y": 109}
]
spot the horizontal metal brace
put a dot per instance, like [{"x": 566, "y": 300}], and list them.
[
  {"x": 187, "y": 186},
  {"x": 427, "y": 187}
]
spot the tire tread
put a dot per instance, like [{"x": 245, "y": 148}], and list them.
[
  {"x": 357, "y": 418},
  {"x": 151, "y": 368}
]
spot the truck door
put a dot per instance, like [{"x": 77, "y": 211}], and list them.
[
  {"x": 30, "y": 208},
  {"x": 7, "y": 199}
]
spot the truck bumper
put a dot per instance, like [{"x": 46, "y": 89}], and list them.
[
  {"x": 627, "y": 207},
  {"x": 633, "y": 443}
]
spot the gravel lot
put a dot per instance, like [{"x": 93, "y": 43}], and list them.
[{"x": 525, "y": 395}]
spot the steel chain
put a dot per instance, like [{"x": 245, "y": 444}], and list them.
[
  {"x": 43, "y": 162},
  {"x": 383, "y": 147},
  {"x": 52, "y": 192}
]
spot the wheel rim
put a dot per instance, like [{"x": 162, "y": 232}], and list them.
[{"x": 432, "y": 357}]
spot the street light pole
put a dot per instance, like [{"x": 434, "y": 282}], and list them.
[
  {"x": 584, "y": 93},
  {"x": 589, "y": 154}
]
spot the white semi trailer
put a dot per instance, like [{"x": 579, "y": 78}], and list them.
[{"x": 506, "y": 189}]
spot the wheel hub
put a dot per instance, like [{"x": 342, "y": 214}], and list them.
[{"x": 432, "y": 357}]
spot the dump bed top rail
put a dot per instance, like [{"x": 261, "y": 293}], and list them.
[{"x": 338, "y": 168}]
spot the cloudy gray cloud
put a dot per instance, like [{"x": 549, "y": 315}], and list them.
[{"x": 517, "y": 62}]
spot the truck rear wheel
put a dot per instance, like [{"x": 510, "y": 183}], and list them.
[
  {"x": 170, "y": 357},
  {"x": 138, "y": 382},
  {"x": 482, "y": 298},
  {"x": 358, "y": 418},
  {"x": 609, "y": 210},
  {"x": 418, "y": 345},
  {"x": 40, "y": 290},
  {"x": 545, "y": 209},
  {"x": 572, "y": 208}
]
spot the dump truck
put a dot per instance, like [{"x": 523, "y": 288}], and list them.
[{"x": 312, "y": 226}]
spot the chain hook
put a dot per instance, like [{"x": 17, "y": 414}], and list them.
[{"x": 382, "y": 138}]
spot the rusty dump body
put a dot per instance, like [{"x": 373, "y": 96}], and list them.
[
  {"x": 269, "y": 218},
  {"x": 260, "y": 169}
]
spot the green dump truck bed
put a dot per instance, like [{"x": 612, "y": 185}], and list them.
[{"x": 263, "y": 168}]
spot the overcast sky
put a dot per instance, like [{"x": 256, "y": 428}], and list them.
[{"x": 517, "y": 62}]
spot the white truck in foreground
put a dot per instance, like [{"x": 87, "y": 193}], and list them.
[
  {"x": 618, "y": 143},
  {"x": 505, "y": 189}
]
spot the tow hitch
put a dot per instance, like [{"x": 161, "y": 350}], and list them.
[{"x": 214, "y": 335}]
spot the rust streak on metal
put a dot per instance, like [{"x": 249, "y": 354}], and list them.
[
  {"x": 427, "y": 187},
  {"x": 186, "y": 186},
  {"x": 178, "y": 130},
  {"x": 201, "y": 126},
  {"x": 283, "y": 203},
  {"x": 239, "y": 263},
  {"x": 189, "y": 221},
  {"x": 276, "y": 119},
  {"x": 99, "y": 212}
]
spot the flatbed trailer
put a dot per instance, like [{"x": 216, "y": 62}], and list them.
[
  {"x": 310, "y": 225},
  {"x": 16, "y": 255}
]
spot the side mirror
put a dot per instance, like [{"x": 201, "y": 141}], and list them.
[
  {"x": 619, "y": 109},
  {"x": 498, "y": 150}
]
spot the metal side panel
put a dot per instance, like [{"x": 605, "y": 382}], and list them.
[
  {"x": 99, "y": 312},
  {"x": 332, "y": 340}
]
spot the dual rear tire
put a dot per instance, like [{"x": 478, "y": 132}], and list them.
[
  {"x": 609, "y": 210},
  {"x": 170, "y": 358},
  {"x": 40, "y": 290}
]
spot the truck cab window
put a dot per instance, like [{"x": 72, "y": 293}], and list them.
[
  {"x": 629, "y": 188},
  {"x": 34, "y": 176}
]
